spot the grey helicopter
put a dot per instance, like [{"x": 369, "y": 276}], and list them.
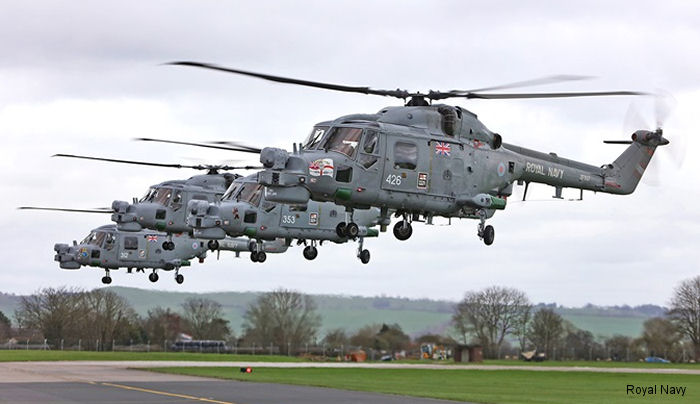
[
  {"x": 244, "y": 210},
  {"x": 425, "y": 159},
  {"x": 163, "y": 207},
  {"x": 109, "y": 248}
]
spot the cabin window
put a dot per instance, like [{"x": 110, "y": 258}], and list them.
[
  {"x": 371, "y": 140},
  {"x": 131, "y": 243},
  {"x": 405, "y": 155},
  {"x": 343, "y": 174},
  {"x": 298, "y": 208},
  {"x": 250, "y": 216}
]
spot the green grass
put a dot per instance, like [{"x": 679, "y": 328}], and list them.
[
  {"x": 38, "y": 355},
  {"x": 484, "y": 386},
  {"x": 546, "y": 364},
  {"x": 608, "y": 326}
]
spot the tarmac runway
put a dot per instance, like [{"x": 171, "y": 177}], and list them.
[
  {"x": 121, "y": 381},
  {"x": 93, "y": 382}
]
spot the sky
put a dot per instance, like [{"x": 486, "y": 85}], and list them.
[{"x": 87, "y": 78}]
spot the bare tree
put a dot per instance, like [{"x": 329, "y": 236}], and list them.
[
  {"x": 109, "y": 315},
  {"x": 490, "y": 315},
  {"x": 284, "y": 318},
  {"x": 546, "y": 330},
  {"x": 335, "y": 338},
  {"x": 57, "y": 313},
  {"x": 162, "y": 324},
  {"x": 203, "y": 318},
  {"x": 685, "y": 311},
  {"x": 661, "y": 337}
]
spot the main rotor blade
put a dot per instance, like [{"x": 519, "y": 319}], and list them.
[
  {"x": 547, "y": 95},
  {"x": 617, "y": 141},
  {"x": 210, "y": 146},
  {"x": 527, "y": 83},
  {"x": 328, "y": 86},
  {"x": 236, "y": 144},
  {"x": 67, "y": 210},
  {"x": 143, "y": 163}
]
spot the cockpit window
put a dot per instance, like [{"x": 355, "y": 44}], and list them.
[
  {"x": 176, "y": 203},
  {"x": 342, "y": 140},
  {"x": 232, "y": 191},
  {"x": 96, "y": 238},
  {"x": 162, "y": 196},
  {"x": 371, "y": 139},
  {"x": 251, "y": 193},
  {"x": 315, "y": 136},
  {"x": 149, "y": 195}
]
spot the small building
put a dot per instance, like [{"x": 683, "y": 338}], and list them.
[{"x": 469, "y": 353}]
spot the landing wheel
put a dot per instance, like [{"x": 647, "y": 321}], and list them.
[
  {"x": 168, "y": 245},
  {"x": 403, "y": 230},
  {"x": 310, "y": 252},
  {"x": 153, "y": 277},
  {"x": 254, "y": 256},
  {"x": 106, "y": 280},
  {"x": 213, "y": 245},
  {"x": 179, "y": 278},
  {"x": 364, "y": 256},
  {"x": 340, "y": 229},
  {"x": 489, "y": 235},
  {"x": 252, "y": 246},
  {"x": 262, "y": 257},
  {"x": 351, "y": 230}
]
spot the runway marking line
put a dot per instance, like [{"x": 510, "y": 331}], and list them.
[{"x": 165, "y": 393}]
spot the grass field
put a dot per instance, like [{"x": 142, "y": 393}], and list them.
[
  {"x": 484, "y": 386},
  {"x": 37, "y": 355}
]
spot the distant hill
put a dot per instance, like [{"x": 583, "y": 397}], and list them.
[{"x": 415, "y": 316}]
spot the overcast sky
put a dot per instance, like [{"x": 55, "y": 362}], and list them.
[{"x": 85, "y": 78}]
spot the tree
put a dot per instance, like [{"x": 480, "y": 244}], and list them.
[
  {"x": 110, "y": 316},
  {"x": 545, "y": 331},
  {"x": 364, "y": 337},
  {"x": 685, "y": 311},
  {"x": 203, "y": 319},
  {"x": 283, "y": 318},
  {"x": 335, "y": 338},
  {"x": 490, "y": 315},
  {"x": 162, "y": 324},
  {"x": 661, "y": 337},
  {"x": 57, "y": 313},
  {"x": 5, "y": 327},
  {"x": 391, "y": 338}
]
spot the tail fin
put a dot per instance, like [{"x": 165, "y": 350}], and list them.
[{"x": 623, "y": 175}]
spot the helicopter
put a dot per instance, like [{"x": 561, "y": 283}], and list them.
[
  {"x": 109, "y": 248},
  {"x": 426, "y": 159},
  {"x": 244, "y": 210},
  {"x": 163, "y": 206}
]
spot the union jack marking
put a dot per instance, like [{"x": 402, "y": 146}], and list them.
[
  {"x": 442, "y": 149},
  {"x": 152, "y": 238}
]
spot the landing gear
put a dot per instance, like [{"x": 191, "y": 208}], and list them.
[
  {"x": 362, "y": 254},
  {"x": 106, "y": 279},
  {"x": 258, "y": 256},
  {"x": 486, "y": 233},
  {"x": 213, "y": 245},
  {"x": 310, "y": 251},
  {"x": 168, "y": 245},
  {"x": 153, "y": 276},
  {"x": 403, "y": 229},
  {"x": 256, "y": 251},
  {"x": 179, "y": 278},
  {"x": 347, "y": 229}
]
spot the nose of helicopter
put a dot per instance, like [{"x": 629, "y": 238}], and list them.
[
  {"x": 126, "y": 216},
  {"x": 66, "y": 256},
  {"x": 204, "y": 218}
]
